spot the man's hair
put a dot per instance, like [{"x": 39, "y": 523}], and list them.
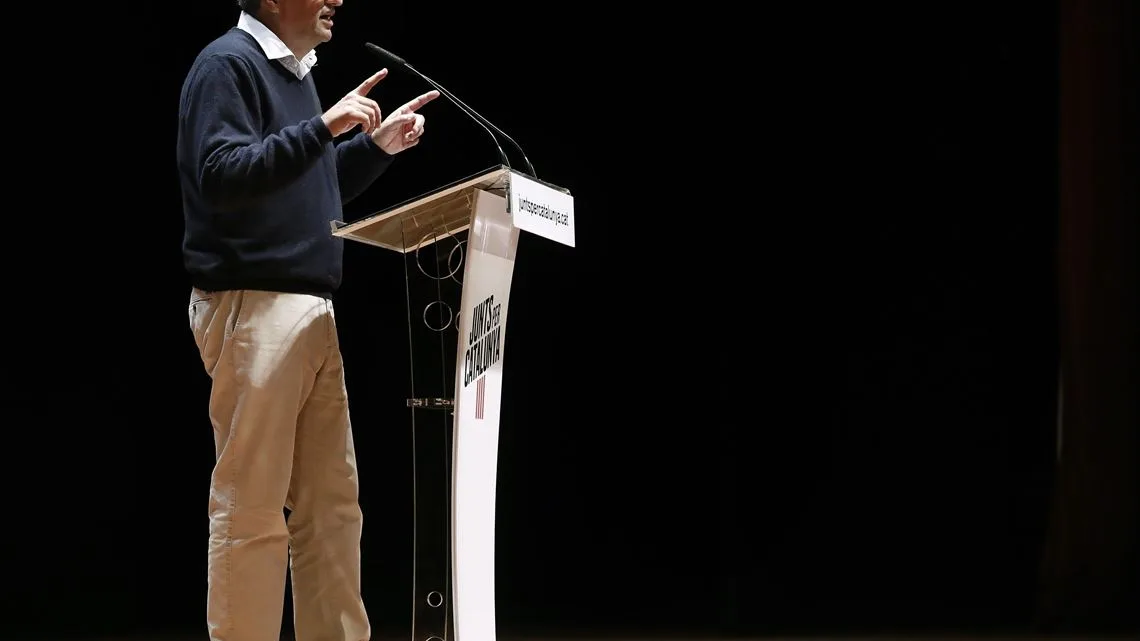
[{"x": 249, "y": 6}]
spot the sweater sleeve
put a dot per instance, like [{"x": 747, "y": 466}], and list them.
[
  {"x": 359, "y": 162},
  {"x": 236, "y": 165}
]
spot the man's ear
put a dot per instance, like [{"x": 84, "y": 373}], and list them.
[{"x": 271, "y": 6}]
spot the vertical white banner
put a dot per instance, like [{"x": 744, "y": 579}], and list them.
[{"x": 479, "y": 381}]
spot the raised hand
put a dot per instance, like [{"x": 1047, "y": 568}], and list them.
[
  {"x": 403, "y": 127},
  {"x": 356, "y": 108}
]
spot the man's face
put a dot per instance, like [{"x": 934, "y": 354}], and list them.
[{"x": 305, "y": 23}]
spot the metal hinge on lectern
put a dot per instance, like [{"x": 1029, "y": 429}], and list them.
[{"x": 432, "y": 403}]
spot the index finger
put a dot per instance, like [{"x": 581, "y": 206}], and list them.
[
  {"x": 367, "y": 85},
  {"x": 419, "y": 101}
]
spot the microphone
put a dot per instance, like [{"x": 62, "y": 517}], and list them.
[{"x": 397, "y": 61}]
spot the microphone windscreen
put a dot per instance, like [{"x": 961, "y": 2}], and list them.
[{"x": 385, "y": 54}]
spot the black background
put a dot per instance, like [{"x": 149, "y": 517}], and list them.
[{"x": 800, "y": 372}]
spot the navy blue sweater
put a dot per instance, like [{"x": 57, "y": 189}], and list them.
[{"x": 261, "y": 175}]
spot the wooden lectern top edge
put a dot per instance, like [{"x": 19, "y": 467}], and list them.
[
  {"x": 422, "y": 220},
  {"x": 484, "y": 179}
]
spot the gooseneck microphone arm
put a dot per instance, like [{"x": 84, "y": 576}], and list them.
[
  {"x": 483, "y": 122},
  {"x": 397, "y": 61},
  {"x": 481, "y": 118}
]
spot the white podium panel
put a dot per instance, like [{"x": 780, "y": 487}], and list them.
[{"x": 490, "y": 265}]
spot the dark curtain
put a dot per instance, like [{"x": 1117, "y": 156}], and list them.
[{"x": 1089, "y": 577}]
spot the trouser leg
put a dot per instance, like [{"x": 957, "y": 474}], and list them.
[
  {"x": 262, "y": 351},
  {"x": 325, "y": 518}
]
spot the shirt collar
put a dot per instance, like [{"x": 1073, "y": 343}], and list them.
[{"x": 274, "y": 48}]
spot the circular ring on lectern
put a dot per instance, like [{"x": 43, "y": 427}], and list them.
[
  {"x": 421, "y": 266},
  {"x": 433, "y": 638},
  {"x": 434, "y": 599},
  {"x": 450, "y": 316},
  {"x": 450, "y": 255}
]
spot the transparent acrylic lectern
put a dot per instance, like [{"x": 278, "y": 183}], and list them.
[{"x": 459, "y": 245}]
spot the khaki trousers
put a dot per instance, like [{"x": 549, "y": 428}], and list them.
[{"x": 283, "y": 441}]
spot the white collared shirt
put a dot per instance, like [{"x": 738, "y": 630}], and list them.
[{"x": 274, "y": 48}]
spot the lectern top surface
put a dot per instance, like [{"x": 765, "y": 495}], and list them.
[{"x": 425, "y": 218}]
